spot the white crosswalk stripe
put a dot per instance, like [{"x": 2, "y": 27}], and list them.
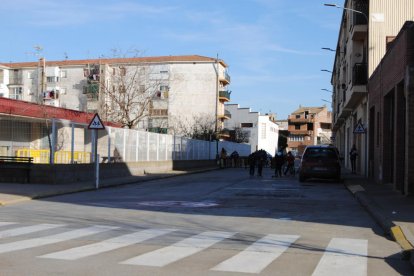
[
  {"x": 107, "y": 245},
  {"x": 344, "y": 257},
  {"x": 179, "y": 250},
  {"x": 6, "y": 223},
  {"x": 27, "y": 230},
  {"x": 259, "y": 255},
  {"x": 35, "y": 242}
]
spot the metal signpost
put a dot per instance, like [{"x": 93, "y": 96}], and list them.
[{"x": 95, "y": 125}]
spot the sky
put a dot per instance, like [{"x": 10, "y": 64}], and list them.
[{"x": 272, "y": 47}]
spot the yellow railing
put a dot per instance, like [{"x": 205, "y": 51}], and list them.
[{"x": 61, "y": 157}]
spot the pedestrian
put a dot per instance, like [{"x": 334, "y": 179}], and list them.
[
  {"x": 252, "y": 163},
  {"x": 279, "y": 161},
  {"x": 261, "y": 157},
  {"x": 235, "y": 159},
  {"x": 290, "y": 160},
  {"x": 223, "y": 157},
  {"x": 353, "y": 156}
]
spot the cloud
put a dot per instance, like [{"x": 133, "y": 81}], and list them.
[{"x": 73, "y": 13}]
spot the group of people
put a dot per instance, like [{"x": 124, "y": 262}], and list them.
[{"x": 260, "y": 157}]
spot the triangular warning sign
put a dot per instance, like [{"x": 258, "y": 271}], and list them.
[
  {"x": 359, "y": 128},
  {"x": 96, "y": 123}
]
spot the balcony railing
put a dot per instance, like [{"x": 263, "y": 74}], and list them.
[
  {"x": 359, "y": 74},
  {"x": 224, "y": 95},
  {"x": 158, "y": 112}
]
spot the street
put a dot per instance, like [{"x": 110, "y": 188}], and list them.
[{"x": 221, "y": 222}]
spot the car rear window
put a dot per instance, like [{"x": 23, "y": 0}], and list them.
[{"x": 329, "y": 153}]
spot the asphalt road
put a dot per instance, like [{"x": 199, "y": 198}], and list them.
[{"x": 215, "y": 223}]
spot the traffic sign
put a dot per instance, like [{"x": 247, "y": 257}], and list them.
[
  {"x": 96, "y": 123},
  {"x": 359, "y": 128}
]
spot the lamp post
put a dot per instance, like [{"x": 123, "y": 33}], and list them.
[
  {"x": 329, "y": 91},
  {"x": 347, "y": 9},
  {"x": 325, "y": 70},
  {"x": 328, "y": 49},
  {"x": 326, "y": 101}
]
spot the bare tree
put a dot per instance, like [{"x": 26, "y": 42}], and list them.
[
  {"x": 199, "y": 127},
  {"x": 127, "y": 92},
  {"x": 240, "y": 135}
]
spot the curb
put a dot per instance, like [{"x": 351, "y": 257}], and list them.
[
  {"x": 91, "y": 186},
  {"x": 395, "y": 231}
]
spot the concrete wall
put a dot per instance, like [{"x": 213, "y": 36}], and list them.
[{"x": 70, "y": 173}]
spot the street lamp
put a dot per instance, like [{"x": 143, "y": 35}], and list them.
[
  {"x": 348, "y": 9},
  {"x": 326, "y": 101},
  {"x": 329, "y": 91},
  {"x": 324, "y": 70},
  {"x": 328, "y": 49}
]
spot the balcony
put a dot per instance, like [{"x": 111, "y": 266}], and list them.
[
  {"x": 301, "y": 132},
  {"x": 302, "y": 119},
  {"x": 158, "y": 112},
  {"x": 224, "y": 78},
  {"x": 16, "y": 80},
  {"x": 91, "y": 91},
  {"x": 225, "y": 116},
  {"x": 224, "y": 96}
]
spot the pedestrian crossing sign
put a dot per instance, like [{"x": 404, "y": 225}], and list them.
[
  {"x": 96, "y": 123},
  {"x": 359, "y": 128}
]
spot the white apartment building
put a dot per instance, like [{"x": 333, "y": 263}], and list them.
[
  {"x": 367, "y": 27},
  {"x": 262, "y": 132},
  {"x": 180, "y": 88}
]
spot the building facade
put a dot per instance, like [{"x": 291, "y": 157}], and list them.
[
  {"x": 309, "y": 126},
  {"x": 366, "y": 27},
  {"x": 391, "y": 113},
  {"x": 262, "y": 132},
  {"x": 170, "y": 87}
]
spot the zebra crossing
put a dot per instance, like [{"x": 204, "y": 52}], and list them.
[{"x": 342, "y": 256}]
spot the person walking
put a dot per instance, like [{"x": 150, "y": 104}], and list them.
[
  {"x": 223, "y": 157},
  {"x": 252, "y": 163},
  {"x": 279, "y": 161},
  {"x": 290, "y": 160},
  {"x": 353, "y": 156}
]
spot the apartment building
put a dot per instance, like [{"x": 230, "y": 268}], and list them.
[
  {"x": 172, "y": 90},
  {"x": 309, "y": 126},
  {"x": 366, "y": 28},
  {"x": 261, "y": 130},
  {"x": 391, "y": 113}
]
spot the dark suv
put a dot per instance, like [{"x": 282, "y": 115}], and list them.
[{"x": 321, "y": 161}]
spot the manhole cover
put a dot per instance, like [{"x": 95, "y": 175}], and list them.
[{"x": 183, "y": 204}]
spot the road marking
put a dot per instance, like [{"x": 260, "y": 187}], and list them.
[
  {"x": 259, "y": 255},
  {"x": 30, "y": 243},
  {"x": 179, "y": 250},
  {"x": 107, "y": 245},
  {"x": 27, "y": 229},
  {"x": 344, "y": 257},
  {"x": 7, "y": 223}
]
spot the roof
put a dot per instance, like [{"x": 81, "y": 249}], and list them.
[
  {"x": 160, "y": 59},
  {"x": 32, "y": 110},
  {"x": 312, "y": 110}
]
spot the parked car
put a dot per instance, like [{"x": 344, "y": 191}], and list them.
[{"x": 320, "y": 161}]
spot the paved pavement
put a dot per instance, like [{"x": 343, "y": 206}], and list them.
[{"x": 391, "y": 210}]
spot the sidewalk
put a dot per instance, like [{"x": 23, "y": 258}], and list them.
[{"x": 391, "y": 210}]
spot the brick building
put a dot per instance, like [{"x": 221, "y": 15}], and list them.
[
  {"x": 391, "y": 113},
  {"x": 309, "y": 126}
]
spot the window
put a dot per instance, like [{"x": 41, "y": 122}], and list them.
[
  {"x": 164, "y": 72},
  {"x": 30, "y": 74},
  {"x": 263, "y": 130},
  {"x": 63, "y": 74},
  {"x": 16, "y": 93},
  {"x": 52, "y": 79},
  {"x": 246, "y": 125},
  {"x": 297, "y": 116},
  {"x": 122, "y": 71},
  {"x": 297, "y": 127}
]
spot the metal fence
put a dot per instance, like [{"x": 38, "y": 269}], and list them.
[{"x": 74, "y": 143}]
